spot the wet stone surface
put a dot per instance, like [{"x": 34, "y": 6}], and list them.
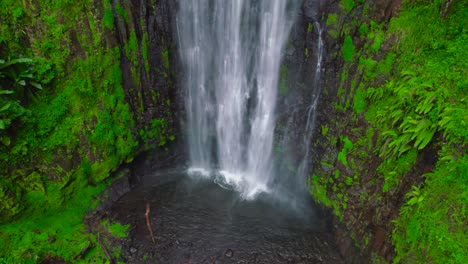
[{"x": 196, "y": 221}]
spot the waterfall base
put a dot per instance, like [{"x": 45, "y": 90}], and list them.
[
  {"x": 241, "y": 182},
  {"x": 196, "y": 221}
]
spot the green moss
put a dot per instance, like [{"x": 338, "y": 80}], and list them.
[
  {"x": 116, "y": 229},
  {"x": 283, "y": 86},
  {"x": 319, "y": 192},
  {"x": 108, "y": 16},
  {"x": 359, "y": 102},
  {"x": 363, "y": 30},
  {"x": 368, "y": 67},
  {"x": 365, "y": 9},
  {"x": 375, "y": 47},
  {"x": 27, "y": 239},
  {"x": 395, "y": 170},
  {"x": 310, "y": 27},
  {"x": 324, "y": 129},
  {"x": 165, "y": 59},
  {"x": 122, "y": 12},
  {"x": 80, "y": 110},
  {"x": 343, "y": 77},
  {"x": 156, "y": 133},
  {"x": 101, "y": 170},
  {"x": 131, "y": 48},
  {"x": 433, "y": 220},
  {"x": 348, "y": 49},
  {"x": 144, "y": 51},
  {"x": 385, "y": 66},
  {"x": 342, "y": 155},
  {"x": 337, "y": 174},
  {"x": 347, "y": 5},
  {"x": 332, "y": 19}
]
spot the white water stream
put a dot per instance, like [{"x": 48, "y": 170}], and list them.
[{"x": 231, "y": 50}]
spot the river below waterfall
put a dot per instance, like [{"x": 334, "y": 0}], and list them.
[{"x": 197, "y": 221}]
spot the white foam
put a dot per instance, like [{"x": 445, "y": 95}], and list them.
[
  {"x": 196, "y": 171},
  {"x": 241, "y": 182}
]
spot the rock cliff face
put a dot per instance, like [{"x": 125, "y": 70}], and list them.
[
  {"x": 150, "y": 85},
  {"x": 345, "y": 166},
  {"x": 108, "y": 72},
  {"x": 354, "y": 191}
]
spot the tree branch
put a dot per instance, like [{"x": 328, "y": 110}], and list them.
[{"x": 148, "y": 223}]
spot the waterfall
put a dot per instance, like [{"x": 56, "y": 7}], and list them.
[
  {"x": 310, "y": 125},
  {"x": 231, "y": 50}
]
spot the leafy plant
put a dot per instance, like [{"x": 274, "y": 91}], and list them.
[
  {"x": 348, "y": 49},
  {"x": 17, "y": 85},
  {"x": 423, "y": 107},
  {"x": 347, "y": 145},
  {"x": 347, "y": 5},
  {"x": 16, "y": 77}
]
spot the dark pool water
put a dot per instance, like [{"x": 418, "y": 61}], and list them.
[{"x": 197, "y": 221}]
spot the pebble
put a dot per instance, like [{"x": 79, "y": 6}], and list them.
[
  {"x": 133, "y": 250},
  {"x": 229, "y": 253}
]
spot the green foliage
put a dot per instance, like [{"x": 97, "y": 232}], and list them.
[
  {"x": 375, "y": 47},
  {"x": 283, "y": 85},
  {"x": 332, "y": 19},
  {"x": 156, "y": 132},
  {"x": 368, "y": 65},
  {"x": 57, "y": 141},
  {"x": 423, "y": 107},
  {"x": 12, "y": 14},
  {"x": 347, "y": 145},
  {"x": 144, "y": 51},
  {"x": 414, "y": 110},
  {"x": 49, "y": 120},
  {"x": 310, "y": 27},
  {"x": 131, "y": 48},
  {"x": 414, "y": 100},
  {"x": 385, "y": 66},
  {"x": 165, "y": 59},
  {"x": 407, "y": 127},
  {"x": 394, "y": 169},
  {"x": 17, "y": 78},
  {"x": 363, "y": 30},
  {"x": 431, "y": 227},
  {"x": 28, "y": 239},
  {"x": 348, "y": 49},
  {"x": 17, "y": 88},
  {"x": 116, "y": 229},
  {"x": 324, "y": 129},
  {"x": 108, "y": 16},
  {"x": 10, "y": 194},
  {"x": 82, "y": 115},
  {"x": 318, "y": 190},
  {"x": 122, "y": 12},
  {"x": 359, "y": 102},
  {"x": 347, "y": 5}
]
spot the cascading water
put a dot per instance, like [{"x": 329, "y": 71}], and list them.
[
  {"x": 232, "y": 53},
  {"x": 310, "y": 125}
]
